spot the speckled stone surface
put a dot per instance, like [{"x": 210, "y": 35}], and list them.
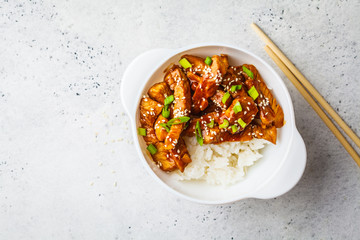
[{"x": 68, "y": 166}]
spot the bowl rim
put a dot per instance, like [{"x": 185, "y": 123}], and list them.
[{"x": 148, "y": 76}]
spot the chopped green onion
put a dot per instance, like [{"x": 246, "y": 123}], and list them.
[
  {"x": 185, "y": 63},
  {"x": 248, "y": 72},
  {"x": 242, "y": 123},
  {"x": 165, "y": 126},
  {"x": 142, "y": 131},
  {"x": 182, "y": 120},
  {"x": 169, "y": 100},
  {"x": 253, "y": 93},
  {"x": 234, "y": 128},
  {"x": 165, "y": 111},
  {"x": 208, "y": 61},
  {"x": 211, "y": 124},
  {"x": 198, "y": 134},
  {"x": 225, "y": 124},
  {"x": 237, "y": 108},
  {"x": 225, "y": 97},
  {"x": 152, "y": 149},
  {"x": 168, "y": 125},
  {"x": 235, "y": 88}
]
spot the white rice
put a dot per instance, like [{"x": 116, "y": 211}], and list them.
[{"x": 224, "y": 163}]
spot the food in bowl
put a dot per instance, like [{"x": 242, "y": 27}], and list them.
[{"x": 211, "y": 101}]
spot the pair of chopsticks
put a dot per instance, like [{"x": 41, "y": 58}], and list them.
[{"x": 310, "y": 94}]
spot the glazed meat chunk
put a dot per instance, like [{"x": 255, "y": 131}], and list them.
[
  {"x": 182, "y": 104},
  {"x": 271, "y": 113},
  {"x": 211, "y": 79},
  {"x": 159, "y": 91}
]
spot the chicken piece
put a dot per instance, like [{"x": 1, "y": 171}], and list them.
[
  {"x": 205, "y": 122},
  {"x": 212, "y": 107},
  {"x": 216, "y": 135},
  {"x": 149, "y": 110},
  {"x": 223, "y": 63},
  {"x": 182, "y": 103},
  {"x": 250, "y": 132},
  {"x": 182, "y": 95},
  {"x": 268, "y": 134},
  {"x": 230, "y": 79},
  {"x": 180, "y": 155},
  {"x": 162, "y": 159},
  {"x": 159, "y": 91},
  {"x": 217, "y": 99},
  {"x": 210, "y": 82},
  {"x": 173, "y": 135},
  {"x": 198, "y": 64},
  {"x": 160, "y": 131},
  {"x": 242, "y": 136},
  {"x": 173, "y": 76},
  {"x": 194, "y": 80},
  {"x": 150, "y": 136},
  {"x": 211, "y": 135},
  {"x": 247, "y": 113},
  {"x": 271, "y": 113}
]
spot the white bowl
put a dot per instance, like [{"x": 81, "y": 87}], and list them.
[{"x": 276, "y": 173}]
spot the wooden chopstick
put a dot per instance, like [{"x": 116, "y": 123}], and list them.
[
  {"x": 307, "y": 85},
  {"x": 314, "y": 105}
]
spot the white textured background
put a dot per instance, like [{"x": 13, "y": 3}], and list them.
[{"x": 68, "y": 166}]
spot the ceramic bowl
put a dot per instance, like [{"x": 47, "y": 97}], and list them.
[{"x": 276, "y": 173}]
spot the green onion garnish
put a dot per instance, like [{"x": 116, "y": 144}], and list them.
[
  {"x": 248, "y": 72},
  {"x": 185, "y": 63},
  {"x": 198, "y": 134},
  {"x": 235, "y": 88},
  {"x": 225, "y": 97},
  {"x": 211, "y": 124},
  {"x": 142, "y": 131},
  {"x": 182, "y": 120},
  {"x": 208, "y": 61},
  {"x": 253, "y": 93},
  {"x": 225, "y": 124},
  {"x": 169, "y": 100},
  {"x": 234, "y": 128},
  {"x": 237, "y": 108},
  {"x": 165, "y": 126},
  {"x": 242, "y": 123},
  {"x": 165, "y": 111},
  {"x": 168, "y": 125},
  {"x": 152, "y": 149}
]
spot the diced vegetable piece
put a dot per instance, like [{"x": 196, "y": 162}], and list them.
[
  {"x": 225, "y": 124},
  {"x": 152, "y": 149},
  {"x": 198, "y": 134},
  {"x": 168, "y": 125},
  {"x": 234, "y": 128},
  {"x": 208, "y": 61},
  {"x": 185, "y": 63},
  {"x": 165, "y": 126},
  {"x": 242, "y": 123},
  {"x": 182, "y": 120},
  {"x": 225, "y": 97},
  {"x": 235, "y": 88},
  {"x": 248, "y": 72},
  {"x": 237, "y": 108},
  {"x": 253, "y": 92},
  {"x": 169, "y": 100},
  {"x": 142, "y": 131},
  {"x": 165, "y": 111},
  {"x": 211, "y": 124}
]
